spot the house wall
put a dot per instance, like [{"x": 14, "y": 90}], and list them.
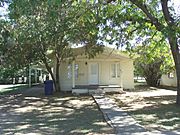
[
  {"x": 167, "y": 81},
  {"x": 128, "y": 74},
  {"x": 104, "y": 65},
  {"x": 104, "y": 68}
]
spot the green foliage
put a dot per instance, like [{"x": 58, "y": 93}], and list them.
[
  {"x": 47, "y": 30},
  {"x": 53, "y": 25},
  {"x": 128, "y": 20},
  {"x": 154, "y": 60},
  {"x": 8, "y": 73}
]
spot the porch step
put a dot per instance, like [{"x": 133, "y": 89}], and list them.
[
  {"x": 96, "y": 91},
  {"x": 100, "y": 90},
  {"x": 112, "y": 89},
  {"x": 79, "y": 91}
]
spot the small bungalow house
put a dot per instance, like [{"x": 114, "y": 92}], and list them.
[
  {"x": 169, "y": 79},
  {"x": 109, "y": 71}
]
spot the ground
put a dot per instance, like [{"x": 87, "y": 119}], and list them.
[
  {"x": 153, "y": 108},
  {"x": 30, "y": 112},
  {"x": 11, "y": 87}
]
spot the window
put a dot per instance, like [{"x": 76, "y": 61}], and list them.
[
  {"x": 76, "y": 70},
  {"x": 69, "y": 73},
  {"x": 115, "y": 70}
]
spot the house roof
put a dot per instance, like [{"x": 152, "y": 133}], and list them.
[{"x": 106, "y": 51}]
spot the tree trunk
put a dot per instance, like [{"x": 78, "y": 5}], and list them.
[
  {"x": 152, "y": 81},
  {"x": 57, "y": 81},
  {"x": 176, "y": 56},
  {"x": 178, "y": 84},
  {"x": 51, "y": 73}
]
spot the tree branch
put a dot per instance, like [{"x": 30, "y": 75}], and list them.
[
  {"x": 153, "y": 19},
  {"x": 167, "y": 16}
]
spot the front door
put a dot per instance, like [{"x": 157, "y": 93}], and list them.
[{"x": 93, "y": 73}]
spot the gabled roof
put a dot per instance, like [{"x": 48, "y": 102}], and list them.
[{"x": 107, "y": 51}]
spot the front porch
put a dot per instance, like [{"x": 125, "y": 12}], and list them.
[{"x": 94, "y": 89}]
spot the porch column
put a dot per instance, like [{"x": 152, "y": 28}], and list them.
[
  {"x": 52, "y": 69},
  {"x": 73, "y": 74},
  {"x": 121, "y": 77},
  {"x": 29, "y": 82},
  {"x": 41, "y": 76},
  {"x": 35, "y": 75}
]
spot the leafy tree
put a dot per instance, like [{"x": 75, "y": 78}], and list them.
[
  {"x": 46, "y": 30},
  {"x": 154, "y": 60},
  {"x": 143, "y": 19},
  {"x": 8, "y": 68}
]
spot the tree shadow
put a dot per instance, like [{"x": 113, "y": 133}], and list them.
[
  {"x": 141, "y": 88},
  {"x": 160, "y": 112},
  {"x": 30, "y": 111}
]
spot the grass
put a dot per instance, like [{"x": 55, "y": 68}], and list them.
[
  {"x": 154, "y": 112},
  {"x": 12, "y": 88},
  {"x": 30, "y": 112}
]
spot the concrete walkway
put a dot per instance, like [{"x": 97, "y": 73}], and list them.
[{"x": 121, "y": 121}]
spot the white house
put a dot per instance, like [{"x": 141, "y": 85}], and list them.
[
  {"x": 111, "y": 70},
  {"x": 169, "y": 79}
]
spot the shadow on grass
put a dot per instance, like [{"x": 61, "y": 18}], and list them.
[
  {"x": 32, "y": 112},
  {"x": 162, "y": 113},
  {"x": 141, "y": 88},
  {"x": 168, "y": 88}
]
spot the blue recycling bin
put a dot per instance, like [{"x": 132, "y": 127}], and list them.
[{"x": 48, "y": 89}]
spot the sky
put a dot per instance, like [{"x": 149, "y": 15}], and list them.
[
  {"x": 177, "y": 6},
  {"x": 3, "y": 10}
]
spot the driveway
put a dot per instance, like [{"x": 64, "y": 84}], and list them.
[{"x": 30, "y": 112}]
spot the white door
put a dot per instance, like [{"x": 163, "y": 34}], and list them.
[{"x": 93, "y": 73}]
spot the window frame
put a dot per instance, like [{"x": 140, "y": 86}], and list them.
[
  {"x": 69, "y": 71},
  {"x": 116, "y": 73}
]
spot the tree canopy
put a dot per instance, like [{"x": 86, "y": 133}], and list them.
[
  {"x": 47, "y": 30},
  {"x": 142, "y": 19},
  {"x": 154, "y": 60},
  {"x": 54, "y": 25}
]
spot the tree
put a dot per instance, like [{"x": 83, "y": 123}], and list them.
[
  {"x": 154, "y": 60},
  {"x": 46, "y": 30},
  {"x": 140, "y": 17}
]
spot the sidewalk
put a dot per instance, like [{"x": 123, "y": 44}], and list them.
[{"x": 121, "y": 121}]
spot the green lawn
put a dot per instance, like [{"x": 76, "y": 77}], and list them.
[{"x": 154, "y": 112}]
